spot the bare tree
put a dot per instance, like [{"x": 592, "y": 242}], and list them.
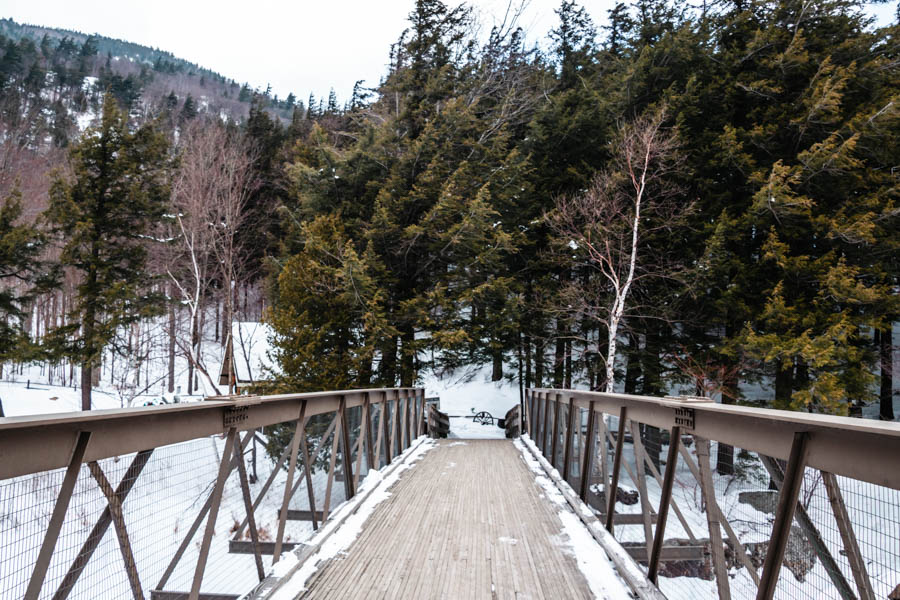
[
  {"x": 606, "y": 223},
  {"x": 210, "y": 193}
]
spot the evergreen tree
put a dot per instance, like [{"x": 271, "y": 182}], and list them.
[
  {"x": 22, "y": 274},
  {"x": 101, "y": 217}
]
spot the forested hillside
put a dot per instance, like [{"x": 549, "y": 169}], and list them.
[{"x": 702, "y": 198}]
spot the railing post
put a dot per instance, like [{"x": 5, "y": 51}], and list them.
[
  {"x": 567, "y": 449},
  {"x": 545, "y": 434},
  {"x": 224, "y": 470},
  {"x": 553, "y": 447},
  {"x": 784, "y": 517},
  {"x": 248, "y": 507},
  {"x": 420, "y": 421},
  {"x": 713, "y": 517},
  {"x": 370, "y": 455},
  {"x": 665, "y": 500},
  {"x": 346, "y": 453},
  {"x": 299, "y": 429},
  {"x": 387, "y": 426},
  {"x": 588, "y": 451},
  {"x": 58, "y": 516},
  {"x": 611, "y": 489}
]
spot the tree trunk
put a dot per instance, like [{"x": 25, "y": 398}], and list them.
[
  {"x": 633, "y": 366},
  {"x": 497, "y": 359},
  {"x": 407, "y": 356},
  {"x": 886, "y": 354},
  {"x": 784, "y": 384},
  {"x": 388, "y": 367},
  {"x": 539, "y": 362},
  {"x": 171, "y": 382},
  {"x": 528, "y": 366},
  {"x": 86, "y": 383},
  {"x": 651, "y": 385},
  {"x": 559, "y": 355}
]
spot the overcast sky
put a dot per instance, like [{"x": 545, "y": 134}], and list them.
[{"x": 295, "y": 45}]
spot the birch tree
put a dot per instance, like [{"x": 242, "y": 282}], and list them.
[{"x": 604, "y": 226}]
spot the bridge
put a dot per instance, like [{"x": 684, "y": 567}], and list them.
[{"x": 360, "y": 494}]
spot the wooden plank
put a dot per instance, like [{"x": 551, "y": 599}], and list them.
[
  {"x": 639, "y": 552},
  {"x": 502, "y": 544},
  {"x": 299, "y": 429},
  {"x": 304, "y": 515},
  {"x": 587, "y": 460},
  {"x": 225, "y": 465},
  {"x": 265, "y": 548},
  {"x": 555, "y": 444},
  {"x": 812, "y": 533},
  {"x": 334, "y": 449}
]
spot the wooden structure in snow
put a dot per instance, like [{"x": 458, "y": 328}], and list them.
[{"x": 247, "y": 357}]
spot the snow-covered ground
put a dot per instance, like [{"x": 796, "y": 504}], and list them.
[{"x": 469, "y": 391}]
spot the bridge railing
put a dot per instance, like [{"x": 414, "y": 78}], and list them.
[
  {"x": 732, "y": 501},
  {"x": 172, "y": 501}
]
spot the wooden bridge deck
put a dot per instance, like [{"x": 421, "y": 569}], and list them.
[{"x": 469, "y": 521}]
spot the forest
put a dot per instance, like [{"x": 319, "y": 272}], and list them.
[{"x": 700, "y": 198}]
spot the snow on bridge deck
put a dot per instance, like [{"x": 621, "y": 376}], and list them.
[{"x": 472, "y": 519}]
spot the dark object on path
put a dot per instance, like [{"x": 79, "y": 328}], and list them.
[{"x": 484, "y": 418}]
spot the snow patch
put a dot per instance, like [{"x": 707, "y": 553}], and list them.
[
  {"x": 576, "y": 540},
  {"x": 345, "y": 534}
]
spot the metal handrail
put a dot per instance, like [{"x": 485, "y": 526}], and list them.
[
  {"x": 32, "y": 444},
  {"x": 867, "y": 450}
]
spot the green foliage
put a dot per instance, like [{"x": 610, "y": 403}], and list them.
[
  {"x": 102, "y": 217},
  {"x": 22, "y": 274}
]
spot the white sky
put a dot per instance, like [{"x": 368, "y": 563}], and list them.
[{"x": 295, "y": 45}]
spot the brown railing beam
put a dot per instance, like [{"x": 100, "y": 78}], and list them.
[
  {"x": 118, "y": 518},
  {"x": 248, "y": 508},
  {"x": 224, "y": 470},
  {"x": 588, "y": 451},
  {"x": 664, "y": 502},
  {"x": 812, "y": 534},
  {"x": 567, "y": 449},
  {"x": 58, "y": 516},
  {"x": 851, "y": 546},
  {"x": 611, "y": 488},
  {"x": 299, "y": 427},
  {"x": 784, "y": 517},
  {"x": 346, "y": 454},
  {"x": 99, "y": 530},
  {"x": 555, "y": 444}
]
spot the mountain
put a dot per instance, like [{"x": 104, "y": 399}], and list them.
[{"x": 57, "y": 76}]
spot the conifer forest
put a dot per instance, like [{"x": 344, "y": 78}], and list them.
[{"x": 695, "y": 198}]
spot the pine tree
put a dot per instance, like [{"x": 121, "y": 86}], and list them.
[
  {"x": 22, "y": 274},
  {"x": 101, "y": 217},
  {"x": 188, "y": 110}
]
